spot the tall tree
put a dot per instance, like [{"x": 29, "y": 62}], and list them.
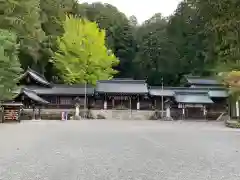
[
  {"x": 53, "y": 13},
  {"x": 186, "y": 32},
  {"x": 82, "y": 55},
  {"x": 154, "y": 56},
  {"x": 133, "y": 21},
  {"x": 9, "y": 64},
  {"x": 119, "y": 33},
  {"x": 23, "y": 18},
  {"x": 223, "y": 21}
]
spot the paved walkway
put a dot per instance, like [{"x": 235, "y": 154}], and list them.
[{"x": 119, "y": 150}]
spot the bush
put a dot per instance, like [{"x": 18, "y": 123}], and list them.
[
  {"x": 232, "y": 124},
  {"x": 99, "y": 116}
]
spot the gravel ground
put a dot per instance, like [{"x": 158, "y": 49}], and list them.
[{"x": 119, "y": 150}]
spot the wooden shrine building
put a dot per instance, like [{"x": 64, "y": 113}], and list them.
[
  {"x": 198, "y": 98},
  {"x": 122, "y": 94},
  {"x": 35, "y": 88}
]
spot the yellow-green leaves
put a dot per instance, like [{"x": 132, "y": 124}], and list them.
[{"x": 82, "y": 55}]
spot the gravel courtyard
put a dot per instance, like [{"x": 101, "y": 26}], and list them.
[{"x": 119, "y": 150}]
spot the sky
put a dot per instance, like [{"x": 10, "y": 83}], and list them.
[{"x": 142, "y": 9}]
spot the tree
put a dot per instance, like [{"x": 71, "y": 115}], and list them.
[
  {"x": 133, "y": 21},
  {"x": 82, "y": 55},
  {"x": 223, "y": 21},
  {"x": 154, "y": 56},
  {"x": 23, "y": 18},
  {"x": 119, "y": 33},
  {"x": 53, "y": 13},
  {"x": 186, "y": 32},
  {"x": 9, "y": 64}
]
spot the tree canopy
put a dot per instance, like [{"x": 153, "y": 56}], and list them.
[
  {"x": 119, "y": 33},
  {"x": 82, "y": 55},
  {"x": 199, "y": 38},
  {"x": 9, "y": 64}
]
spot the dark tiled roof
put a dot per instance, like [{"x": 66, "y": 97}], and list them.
[
  {"x": 190, "y": 91},
  {"x": 124, "y": 86},
  {"x": 33, "y": 96},
  {"x": 158, "y": 91},
  {"x": 60, "y": 89},
  {"x": 201, "y": 81},
  {"x": 171, "y": 91},
  {"x": 207, "y": 87},
  {"x": 193, "y": 99},
  {"x": 36, "y": 76},
  {"x": 218, "y": 93}
]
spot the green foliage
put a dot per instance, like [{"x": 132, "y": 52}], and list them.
[
  {"x": 82, "y": 55},
  {"x": 37, "y": 24},
  {"x": 200, "y": 38},
  {"x": 9, "y": 64},
  {"x": 119, "y": 33},
  {"x": 23, "y": 18},
  {"x": 186, "y": 34},
  {"x": 53, "y": 13},
  {"x": 223, "y": 21},
  {"x": 133, "y": 21},
  {"x": 151, "y": 62}
]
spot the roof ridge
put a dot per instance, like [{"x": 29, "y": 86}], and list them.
[
  {"x": 37, "y": 73},
  {"x": 73, "y": 85},
  {"x": 122, "y": 81},
  {"x": 38, "y": 77},
  {"x": 27, "y": 89},
  {"x": 192, "y": 93},
  {"x": 201, "y": 77}
]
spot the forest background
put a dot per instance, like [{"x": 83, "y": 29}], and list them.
[{"x": 200, "y": 38}]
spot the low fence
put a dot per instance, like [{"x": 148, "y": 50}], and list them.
[
  {"x": 56, "y": 114},
  {"x": 176, "y": 114}
]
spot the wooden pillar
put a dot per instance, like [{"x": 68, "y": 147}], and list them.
[
  {"x": 39, "y": 113},
  {"x": 155, "y": 104},
  {"x": 113, "y": 103},
  {"x": 121, "y": 100},
  {"x": 229, "y": 107},
  {"x": 130, "y": 102},
  {"x": 2, "y": 114},
  {"x": 34, "y": 114}
]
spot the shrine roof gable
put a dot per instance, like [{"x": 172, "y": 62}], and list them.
[{"x": 38, "y": 78}]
